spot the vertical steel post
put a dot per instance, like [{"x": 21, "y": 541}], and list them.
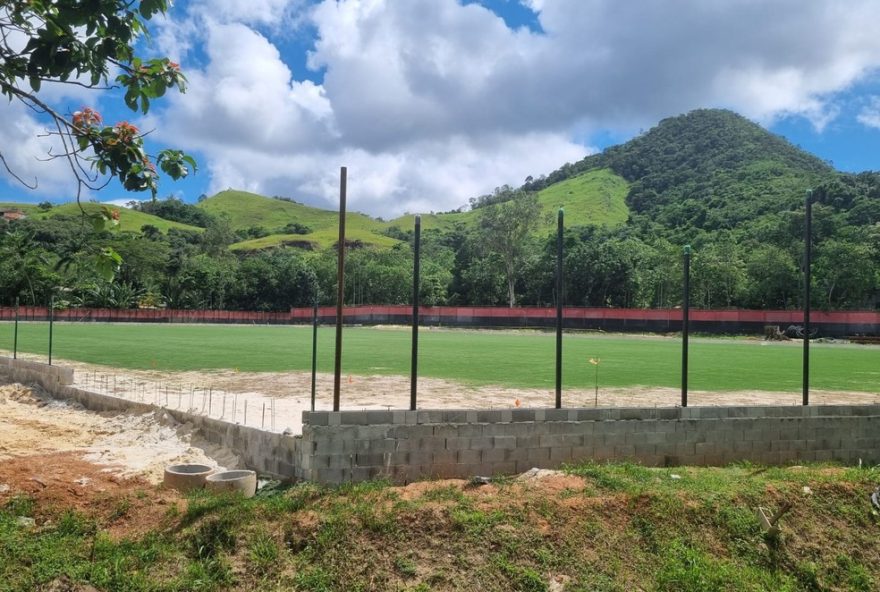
[
  {"x": 51, "y": 324},
  {"x": 314, "y": 347},
  {"x": 340, "y": 288},
  {"x": 559, "y": 229},
  {"x": 808, "y": 242},
  {"x": 414, "y": 364},
  {"x": 685, "y": 325},
  {"x": 15, "y": 333}
]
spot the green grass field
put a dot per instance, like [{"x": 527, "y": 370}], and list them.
[{"x": 513, "y": 359}]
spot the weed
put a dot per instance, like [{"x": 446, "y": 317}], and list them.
[
  {"x": 20, "y": 505},
  {"x": 521, "y": 579},
  {"x": 407, "y": 567},
  {"x": 263, "y": 551},
  {"x": 120, "y": 509},
  {"x": 211, "y": 537}
]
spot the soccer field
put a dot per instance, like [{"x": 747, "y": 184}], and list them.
[{"x": 519, "y": 359}]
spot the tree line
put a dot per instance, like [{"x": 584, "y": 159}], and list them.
[{"x": 500, "y": 260}]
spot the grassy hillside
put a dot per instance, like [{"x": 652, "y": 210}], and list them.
[
  {"x": 321, "y": 239},
  {"x": 594, "y": 197},
  {"x": 245, "y": 210},
  {"x": 129, "y": 220}
]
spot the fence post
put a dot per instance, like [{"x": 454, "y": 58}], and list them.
[
  {"x": 314, "y": 347},
  {"x": 51, "y": 325},
  {"x": 559, "y": 231},
  {"x": 414, "y": 364},
  {"x": 685, "y": 325},
  {"x": 808, "y": 240},
  {"x": 15, "y": 333},
  {"x": 340, "y": 289}
]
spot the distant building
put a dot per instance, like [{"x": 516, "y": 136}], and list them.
[{"x": 12, "y": 214}]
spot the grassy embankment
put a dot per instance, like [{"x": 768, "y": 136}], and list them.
[{"x": 601, "y": 528}]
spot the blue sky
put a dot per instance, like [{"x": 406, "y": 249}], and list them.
[{"x": 429, "y": 102}]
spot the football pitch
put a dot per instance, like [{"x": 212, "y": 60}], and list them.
[{"x": 517, "y": 359}]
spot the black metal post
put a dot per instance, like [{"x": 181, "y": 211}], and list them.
[
  {"x": 51, "y": 324},
  {"x": 559, "y": 229},
  {"x": 15, "y": 333},
  {"x": 414, "y": 365},
  {"x": 340, "y": 288},
  {"x": 685, "y": 325},
  {"x": 314, "y": 347},
  {"x": 808, "y": 242}
]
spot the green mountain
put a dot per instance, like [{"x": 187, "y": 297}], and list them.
[{"x": 708, "y": 169}]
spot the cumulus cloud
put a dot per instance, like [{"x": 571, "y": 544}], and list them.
[
  {"x": 431, "y": 101},
  {"x": 870, "y": 113},
  {"x": 25, "y": 146}
]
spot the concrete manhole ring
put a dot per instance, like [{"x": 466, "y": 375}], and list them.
[
  {"x": 242, "y": 481},
  {"x": 186, "y": 477}
]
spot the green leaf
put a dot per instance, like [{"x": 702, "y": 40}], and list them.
[
  {"x": 107, "y": 263},
  {"x": 35, "y": 83}
]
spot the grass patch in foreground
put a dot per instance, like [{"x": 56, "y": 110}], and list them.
[
  {"x": 507, "y": 358},
  {"x": 611, "y": 527}
]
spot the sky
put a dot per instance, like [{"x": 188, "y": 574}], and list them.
[{"x": 430, "y": 102}]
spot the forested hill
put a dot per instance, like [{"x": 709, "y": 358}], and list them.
[
  {"x": 708, "y": 169},
  {"x": 710, "y": 178}
]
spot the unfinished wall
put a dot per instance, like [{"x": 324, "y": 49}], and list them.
[
  {"x": 266, "y": 452},
  {"x": 407, "y": 445}
]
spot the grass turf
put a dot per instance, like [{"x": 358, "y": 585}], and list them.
[{"x": 507, "y": 358}]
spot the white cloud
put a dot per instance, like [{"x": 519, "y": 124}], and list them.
[
  {"x": 26, "y": 147},
  {"x": 431, "y": 101},
  {"x": 870, "y": 113}
]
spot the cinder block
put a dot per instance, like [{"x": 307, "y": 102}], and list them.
[
  {"x": 627, "y": 451},
  {"x": 494, "y": 455},
  {"x": 444, "y": 457},
  {"x": 504, "y": 442},
  {"x": 469, "y": 457},
  {"x": 481, "y": 443},
  {"x": 371, "y": 459},
  {"x": 520, "y": 415},
  {"x": 353, "y": 418},
  {"x": 316, "y": 417},
  {"x": 433, "y": 416},
  {"x": 528, "y": 441},
  {"x": 503, "y": 468},
  {"x": 555, "y": 415},
  {"x": 488, "y": 416},
  {"x": 414, "y": 458},
  {"x": 458, "y": 443},
  {"x": 360, "y": 474},
  {"x": 378, "y": 417},
  {"x": 551, "y": 441},
  {"x": 560, "y": 454},
  {"x": 329, "y": 476},
  {"x": 460, "y": 430},
  {"x": 579, "y": 453},
  {"x": 538, "y": 454}
]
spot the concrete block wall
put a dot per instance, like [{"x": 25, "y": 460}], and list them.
[
  {"x": 266, "y": 452},
  {"x": 48, "y": 377},
  {"x": 408, "y": 445}
]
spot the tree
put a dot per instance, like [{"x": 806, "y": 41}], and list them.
[
  {"x": 77, "y": 43},
  {"x": 505, "y": 228}
]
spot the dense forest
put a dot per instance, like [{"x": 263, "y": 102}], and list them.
[{"x": 710, "y": 179}]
